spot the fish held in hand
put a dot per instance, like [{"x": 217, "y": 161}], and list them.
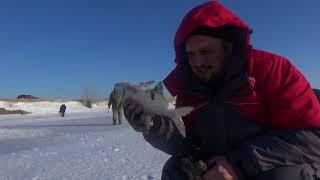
[{"x": 153, "y": 101}]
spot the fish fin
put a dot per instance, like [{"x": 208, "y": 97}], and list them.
[
  {"x": 176, "y": 115},
  {"x": 158, "y": 88},
  {"x": 174, "y": 98},
  {"x": 182, "y": 111},
  {"x": 179, "y": 125},
  {"x": 152, "y": 94},
  {"x": 147, "y": 83}
]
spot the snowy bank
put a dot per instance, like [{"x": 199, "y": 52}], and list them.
[{"x": 52, "y": 107}]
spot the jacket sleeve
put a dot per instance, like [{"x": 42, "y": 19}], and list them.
[
  {"x": 164, "y": 136},
  {"x": 289, "y": 96},
  {"x": 278, "y": 148}
]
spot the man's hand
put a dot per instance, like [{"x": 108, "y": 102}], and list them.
[
  {"x": 133, "y": 111},
  {"x": 221, "y": 170}
]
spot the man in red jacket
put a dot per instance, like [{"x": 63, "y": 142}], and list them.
[{"x": 256, "y": 115}]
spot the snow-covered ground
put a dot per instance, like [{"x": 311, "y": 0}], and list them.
[
  {"x": 47, "y": 107},
  {"x": 82, "y": 145}
]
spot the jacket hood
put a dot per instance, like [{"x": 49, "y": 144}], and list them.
[{"x": 211, "y": 14}]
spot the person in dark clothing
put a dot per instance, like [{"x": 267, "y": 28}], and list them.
[
  {"x": 62, "y": 110},
  {"x": 116, "y": 102},
  {"x": 256, "y": 116}
]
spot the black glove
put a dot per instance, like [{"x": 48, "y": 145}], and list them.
[
  {"x": 159, "y": 131},
  {"x": 183, "y": 167}
]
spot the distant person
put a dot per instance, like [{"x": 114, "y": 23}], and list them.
[
  {"x": 116, "y": 100},
  {"x": 62, "y": 110}
]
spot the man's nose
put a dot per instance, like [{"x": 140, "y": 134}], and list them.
[{"x": 199, "y": 60}]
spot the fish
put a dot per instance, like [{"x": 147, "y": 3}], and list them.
[{"x": 154, "y": 101}]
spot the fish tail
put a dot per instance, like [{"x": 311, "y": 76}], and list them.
[
  {"x": 179, "y": 125},
  {"x": 176, "y": 115},
  {"x": 182, "y": 111}
]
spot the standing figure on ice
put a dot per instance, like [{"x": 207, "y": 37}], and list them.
[
  {"x": 116, "y": 100},
  {"x": 62, "y": 110}
]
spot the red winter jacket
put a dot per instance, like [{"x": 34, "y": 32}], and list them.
[{"x": 283, "y": 98}]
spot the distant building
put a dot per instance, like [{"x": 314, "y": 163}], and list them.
[{"x": 26, "y": 96}]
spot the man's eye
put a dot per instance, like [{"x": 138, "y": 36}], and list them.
[
  {"x": 190, "y": 55},
  {"x": 205, "y": 52}
]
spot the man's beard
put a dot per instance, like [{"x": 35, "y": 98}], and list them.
[{"x": 206, "y": 73}]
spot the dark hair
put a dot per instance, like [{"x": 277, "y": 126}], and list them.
[
  {"x": 226, "y": 32},
  {"x": 233, "y": 34}
]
